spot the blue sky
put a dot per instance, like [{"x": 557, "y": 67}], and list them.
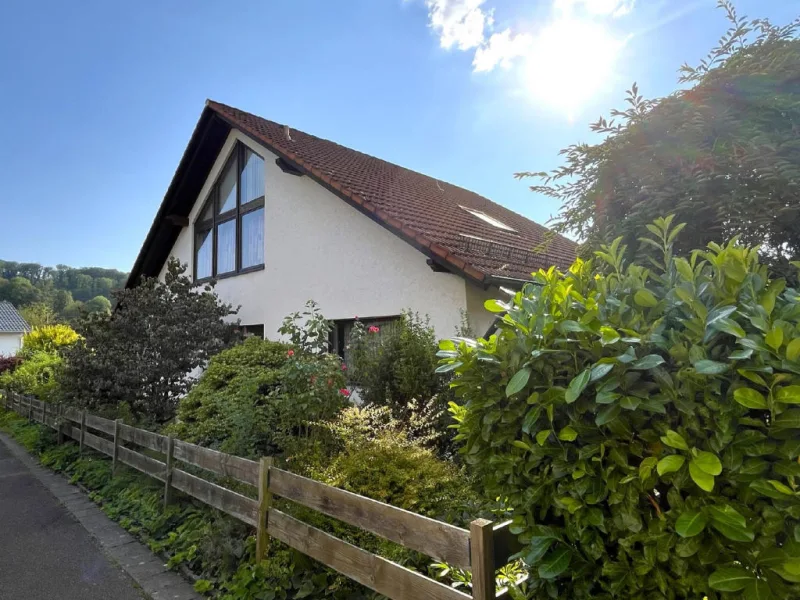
[{"x": 99, "y": 98}]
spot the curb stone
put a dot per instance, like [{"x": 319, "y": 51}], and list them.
[{"x": 133, "y": 557}]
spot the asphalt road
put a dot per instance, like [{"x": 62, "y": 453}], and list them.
[{"x": 45, "y": 554}]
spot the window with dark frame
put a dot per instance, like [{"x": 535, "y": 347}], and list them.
[
  {"x": 229, "y": 233},
  {"x": 340, "y": 333}
]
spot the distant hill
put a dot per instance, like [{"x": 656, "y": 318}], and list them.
[{"x": 57, "y": 293}]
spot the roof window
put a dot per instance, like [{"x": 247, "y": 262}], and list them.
[{"x": 490, "y": 220}]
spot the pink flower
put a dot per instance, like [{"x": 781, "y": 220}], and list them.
[
  {"x": 290, "y": 353},
  {"x": 330, "y": 382},
  {"x": 344, "y": 367},
  {"x": 344, "y": 392},
  {"x": 313, "y": 379},
  {"x": 373, "y": 329}
]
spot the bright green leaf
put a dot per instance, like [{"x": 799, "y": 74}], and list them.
[
  {"x": 793, "y": 350},
  {"x": 788, "y": 395},
  {"x": 780, "y": 487},
  {"x": 608, "y": 335},
  {"x": 774, "y": 338},
  {"x": 568, "y": 434},
  {"x": 447, "y": 367},
  {"x": 670, "y": 464},
  {"x": 708, "y": 462},
  {"x": 646, "y": 467},
  {"x": 645, "y": 298},
  {"x": 496, "y": 306},
  {"x": 703, "y": 480},
  {"x": 576, "y": 386},
  {"x": 750, "y": 398},
  {"x": 518, "y": 381},
  {"x": 673, "y": 439},
  {"x": 542, "y": 436},
  {"x": 521, "y": 444}
]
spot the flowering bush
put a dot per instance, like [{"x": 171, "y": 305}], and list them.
[{"x": 49, "y": 338}]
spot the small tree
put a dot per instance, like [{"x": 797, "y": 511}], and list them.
[
  {"x": 722, "y": 155},
  {"x": 143, "y": 355},
  {"x": 641, "y": 425}
]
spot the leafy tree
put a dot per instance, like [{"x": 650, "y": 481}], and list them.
[
  {"x": 98, "y": 304},
  {"x": 722, "y": 155},
  {"x": 61, "y": 300},
  {"x": 21, "y": 292},
  {"x": 48, "y": 338},
  {"x": 39, "y": 314},
  {"x": 642, "y": 424},
  {"x": 144, "y": 354}
]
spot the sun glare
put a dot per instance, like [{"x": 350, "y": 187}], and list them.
[{"x": 570, "y": 62}]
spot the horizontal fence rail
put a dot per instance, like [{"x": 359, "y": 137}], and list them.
[{"x": 482, "y": 549}]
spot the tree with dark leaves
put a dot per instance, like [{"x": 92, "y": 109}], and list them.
[
  {"x": 722, "y": 155},
  {"x": 139, "y": 360}
]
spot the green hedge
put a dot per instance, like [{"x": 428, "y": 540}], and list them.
[{"x": 641, "y": 422}]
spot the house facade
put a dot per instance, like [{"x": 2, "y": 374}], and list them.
[
  {"x": 12, "y": 328},
  {"x": 278, "y": 217}
]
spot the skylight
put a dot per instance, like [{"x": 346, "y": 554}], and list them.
[{"x": 490, "y": 220}]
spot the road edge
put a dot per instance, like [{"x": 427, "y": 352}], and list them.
[{"x": 134, "y": 558}]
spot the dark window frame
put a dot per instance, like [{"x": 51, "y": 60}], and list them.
[
  {"x": 337, "y": 338},
  {"x": 200, "y": 225}
]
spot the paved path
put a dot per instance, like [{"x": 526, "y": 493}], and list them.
[{"x": 57, "y": 544}]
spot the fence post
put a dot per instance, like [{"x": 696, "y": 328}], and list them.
[
  {"x": 30, "y": 410},
  {"x": 83, "y": 431},
  {"x": 60, "y": 423},
  {"x": 264, "y": 502},
  {"x": 168, "y": 474},
  {"x": 481, "y": 539},
  {"x": 116, "y": 448}
]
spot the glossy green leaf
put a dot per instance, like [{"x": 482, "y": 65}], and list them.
[
  {"x": 788, "y": 420},
  {"x": 496, "y": 306},
  {"x": 646, "y": 467},
  {"x": 542, "y": 436},
  {"x": 670, "y": 464},
  {"x": 630, "y": 402},
  {"x": 607, "y": 414},
  {"x": 708, "y": 462},
  {"x": 788, "y": 395},
  {"x": 703, "y": 480},
  {"x": 691, "y": 523},
  {"x": 710, "y": 367},
  {"x": 577, "y": 385},
  {"x": 567, "y": 434},
  {"x": 651, "y": 361},
  {"x": 518, "y": 381},
  {"x": 793, "y": 350},
  {"x": 521, "y": 444},
  {"x": 730, "y": 579},
  {"x": 750, "y": 398},
  {"x": 674, "y": 440},
  {"x": 774, "y": 338},
  {"x": 555, "y": 563},
  {"x": 758, "y": 590},
  {"x": 600, "y": 370},
  {"x": 645, "y": 298},
  {"x": 730, "y": 327},
  {"x": 447, "y": 367},
  {"x": 781, "y": 487},
  {"x": 608, "y": 335}
]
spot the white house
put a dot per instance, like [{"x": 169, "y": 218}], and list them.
[
  {"x": 279, "y": 216},
  {"x": 12, "y": 328}
]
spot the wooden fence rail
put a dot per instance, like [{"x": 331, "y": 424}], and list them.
[{"x": 482, "y": 549}]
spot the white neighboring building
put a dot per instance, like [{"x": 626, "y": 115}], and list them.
[
  {"x": 279, "y": 217},
  {"x": 12, "y": 328}
]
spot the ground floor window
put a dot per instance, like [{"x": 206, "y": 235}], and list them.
[
  {"x": 252, "y": 330},
  {"x": 340, "y": 334}
]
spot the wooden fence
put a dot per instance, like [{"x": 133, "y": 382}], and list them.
[{"x": 482, "y": 549}]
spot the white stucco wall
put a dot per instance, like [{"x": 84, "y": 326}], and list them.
[
  {"x": 479, "y": 318},
  {"x": 318, "y": 247},
  {"x": 10, "y": 343}
]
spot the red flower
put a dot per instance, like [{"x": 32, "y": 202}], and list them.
[
  {"x": 373, "y": 329},
  {"x": 290, "y": 353},
  {"x": 344, "y": 392},
  {"x": 344, "y": 367}
]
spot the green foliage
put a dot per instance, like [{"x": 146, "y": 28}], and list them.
[
  {"x": 255, "y": 398},
  {"x": 48, "y": 338},
  {"x": 721, "y": 155},
  {"x": 48, "y": 295},
  {"x": 375, "y": 456},
  {"x": 144, "y": 355},
  {"x": 98, "y": 304},
  {"x": 398, "y": 365},
  {"x": 650, "y": 450}
]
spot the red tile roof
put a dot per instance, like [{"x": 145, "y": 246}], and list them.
[{"x": 422, "y": 209}]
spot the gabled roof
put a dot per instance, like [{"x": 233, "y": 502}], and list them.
[
  {"x": 428, "y": 213},
  {"x": 10, "y": 319}
]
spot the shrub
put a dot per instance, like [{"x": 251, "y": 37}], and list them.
[
  {"x": 374, "y": 456},
  {"x": 37, "y": 375},
  {"x": 143, "y": 355},
  {"x": 9, "y": 363},
  {"x": 640, "y": 424},
  {"x": 48, "y": 338},
  {"x": 256, "y": 396}
]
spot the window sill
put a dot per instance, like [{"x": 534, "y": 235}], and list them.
[{"x": 231, "y": 274}]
